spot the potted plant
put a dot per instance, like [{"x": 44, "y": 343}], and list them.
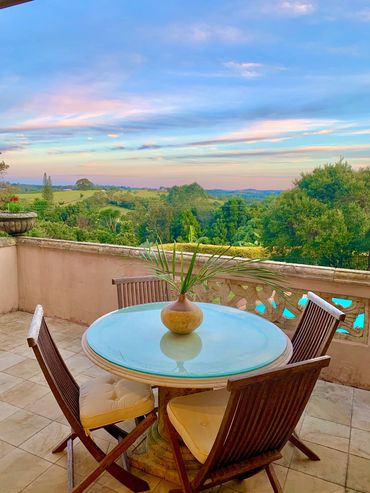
[
  {"x": 183, "y": 316},
  {"x": 13, "y": 220}
]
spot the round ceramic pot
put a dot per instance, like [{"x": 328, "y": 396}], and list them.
[
  {"x": 182, "y": 316},
  {"x": 17, "y": 223}
]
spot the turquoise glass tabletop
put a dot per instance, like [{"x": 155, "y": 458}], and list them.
[{"x": 228, "y": 342}]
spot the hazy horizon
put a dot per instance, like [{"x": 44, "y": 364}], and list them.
[{"x": 228, "y": 93}]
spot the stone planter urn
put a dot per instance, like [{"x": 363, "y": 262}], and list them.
[{"x": 17, "y": 223}]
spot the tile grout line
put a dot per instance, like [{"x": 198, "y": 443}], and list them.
[{"x": 350, "y": 437}]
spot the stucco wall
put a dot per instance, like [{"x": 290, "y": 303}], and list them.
[
  {"x": 73, "y": 281},
  {"x": 8, "y": 276}
]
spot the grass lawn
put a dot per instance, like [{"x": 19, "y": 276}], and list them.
[{"x": 65, "y": 196}]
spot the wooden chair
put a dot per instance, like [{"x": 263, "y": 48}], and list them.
[
  {"x": 78, "y": 403},
  {"x": 311, "y": 339},
  {"x": 138, "y": 290},
  {"x": 246, "y": 435}
]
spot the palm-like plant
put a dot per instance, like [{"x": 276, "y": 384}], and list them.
[{"x": 164, "y": 268}]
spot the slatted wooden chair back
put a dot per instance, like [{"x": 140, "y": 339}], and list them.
[
  {"x": 64, "y": 387},
  {"x": 139, "y": 290},
  {"x": 316, "y": 329},
  {"x": 261, "y": 415}
]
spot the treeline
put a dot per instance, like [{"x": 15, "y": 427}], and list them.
[{"x": 324, "y": 219}]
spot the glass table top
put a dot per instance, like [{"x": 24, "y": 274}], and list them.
[{"x": 228, "y": 342}]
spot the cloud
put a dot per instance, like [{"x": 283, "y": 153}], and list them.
[
  {"x": 113, "y": 136},
  {"x": 10, "y": 147},
  {"x": 291, "y": 7},
  {"x": 250, "y": 70},
  {"x": 205, "y": 33},
  {"x": 59, "y": 152},
  {"x": 145, "y": 147},
  {"x": 324, "y": 149},
  {"x": 118, "y": 148}
]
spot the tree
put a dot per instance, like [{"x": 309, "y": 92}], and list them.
[
  {"x": 47, "y": 189},
  {"x": 6, "y": 190},
  {"x": 3, "y": 168},
  {"x": 185, "y": 227},
  {"x": 325, "y": 219},
  {"x": 231, "y": 216},
  {"x": 84, "y": 184},
  {"x": 110, "y": 218}
]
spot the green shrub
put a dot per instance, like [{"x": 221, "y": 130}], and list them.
[{"x": 254, "y": 252}]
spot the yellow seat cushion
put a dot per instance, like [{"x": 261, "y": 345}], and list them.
[
  {"x": 110, "y": 399},
  {"x": 197, "y": 419}
]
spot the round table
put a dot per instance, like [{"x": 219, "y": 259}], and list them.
[{"x": 133, "y": 343}]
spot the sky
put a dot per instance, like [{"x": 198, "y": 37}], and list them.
[{"x": 229, "y": 93}]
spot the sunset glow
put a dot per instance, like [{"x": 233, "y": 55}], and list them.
[{"x": 231, "y": 94}]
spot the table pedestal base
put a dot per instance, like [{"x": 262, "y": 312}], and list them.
[{"x": 154, "y": 456}]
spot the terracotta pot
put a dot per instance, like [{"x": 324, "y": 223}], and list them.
[
  {"x": 182, "y": 316},
  {"x": 17, "y": 223}
]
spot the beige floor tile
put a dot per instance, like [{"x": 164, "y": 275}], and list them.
[
  {"x": 8, "y": 359},
  {"x": 259, "y": 483},
  {"x": 164, "y": 486},
  {"x": 5, "y": 448},
  {"x": 358, "y": 477},
  {"x": 6, "y": 410},
  {"x": 74, "y": 347},
  {"x": 332, "y": 466},
  {"x": 298, "y": 482},
  {"x": 327, "y": 433},
  {"x": 287, "y": 452},
  {"x": 65, "y": 353},
  {"x": 360, "y": 443},
  {"x": 24, "y": 393},
  {"x": 46, "y": 406},
  {"x": 25, "y": 369},
  {"x": 94, "y": 372},
  {"x": 98, "y": 488},
  {"x": 40, "y": 379},
  {"x": 18, "y": 469},
  {"x": 78, "y": 364},
  {"x": 42, "y": 443},
  {"x": 110, "y": 482},
  {"x": 331, "y": 402},
  {"x": 8, "y": 381},
  {"x": 62, "y": 419},
  {"x": 24, "y": 350},
  {"x": 83, "y": 460},
  {"x": 20, "y": 426},
  {"x": 53, "y": 480},
  {"x": 361, "y": 409}
]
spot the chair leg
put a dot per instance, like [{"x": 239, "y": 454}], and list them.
[
  {"x": 106, "y": 461},
  {"x": 273, "y": 479},
  {"x": 303, "y": 448},
  {"x": 180, "y": 464},
  {"x": 70, "y": 464},
  {"x": 62, "y": 445}
]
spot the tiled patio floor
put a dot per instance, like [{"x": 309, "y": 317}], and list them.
[{"x": 336, "y": 425}]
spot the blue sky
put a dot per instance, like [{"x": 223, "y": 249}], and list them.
[{"x": 229, "y": 93}]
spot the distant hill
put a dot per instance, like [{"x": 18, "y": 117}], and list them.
[
  {"x": 247, "y": 193},
  {"x": 218, "y": 193}
]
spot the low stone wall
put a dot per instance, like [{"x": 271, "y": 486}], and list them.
[
  {"x": 72, "y": 281},
  {"x": 8, "y": 275}
]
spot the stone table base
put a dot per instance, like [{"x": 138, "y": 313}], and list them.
[{"x": 154, "y": 454}]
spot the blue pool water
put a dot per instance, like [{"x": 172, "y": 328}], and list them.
[{"x": 359, "y": 322}]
